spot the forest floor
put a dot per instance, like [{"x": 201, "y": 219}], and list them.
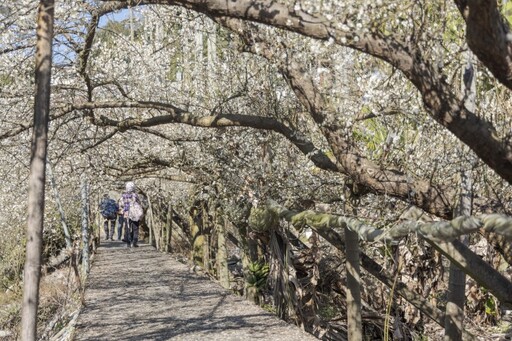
[{"x": 142, "y": 294}]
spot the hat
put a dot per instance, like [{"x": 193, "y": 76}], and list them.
[{"x": 130, "y": 187}]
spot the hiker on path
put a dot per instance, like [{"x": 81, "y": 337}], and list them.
[
  {"x": 132, "y": 214},
  {"x": 108, "y": 209},
  {"x": 120, "y": 221}
]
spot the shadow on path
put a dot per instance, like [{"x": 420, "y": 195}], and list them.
[{"x": 141, "y": 294}]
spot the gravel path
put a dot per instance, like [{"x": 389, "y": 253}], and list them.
[{"x": 142, "y": 294}]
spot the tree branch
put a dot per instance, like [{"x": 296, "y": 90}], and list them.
[
  {"x": 431, "y": 198},
  {"x": 438, "y": 96},
  {"x": 177, "y": 115},
  {"x": 488, "y": 36}
]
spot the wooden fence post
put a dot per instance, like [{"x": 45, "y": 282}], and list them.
[
  {"x": 161, "y": 238},
  {"x": 85, "y": 226},
  {"x": 456, "y": 295},
  {"x": 151, "y": 221},
  {"x": 56, "y": 195},
  {"x": 353, "y": 290},
  {"x": 97, "y": 224},
  {"x": 207, "y": 239},
  {"x": 168, "y": 229},
  {"x": 222, "y": 255}
]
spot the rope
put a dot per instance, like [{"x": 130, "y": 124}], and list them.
[{"x": 439, "y": 231}]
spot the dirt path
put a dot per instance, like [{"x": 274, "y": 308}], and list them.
[{"x": 142, "y": 294}]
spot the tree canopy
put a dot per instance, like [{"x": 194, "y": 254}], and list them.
[{"x": 295, "y": 101}]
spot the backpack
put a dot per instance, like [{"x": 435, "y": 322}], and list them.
[
  {"x": 109, "y": 208},
  {"x": 135, "y": 211}
]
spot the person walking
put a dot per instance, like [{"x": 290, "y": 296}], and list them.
[
  {"x": 108, "y": 209},
  {"x": 120, "y": 221},
  {"x": 132, "y": 214}
]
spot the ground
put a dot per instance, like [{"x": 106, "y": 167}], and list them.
[{"x": 142, "y": 294}]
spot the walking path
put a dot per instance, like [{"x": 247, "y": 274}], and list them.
[{"x": 142, "y": 294}]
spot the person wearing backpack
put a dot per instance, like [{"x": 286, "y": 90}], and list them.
[
  {"x": 132, "y": 213},
  {"x": 121, "y": 220},
  {"x": 108, "y": 209}
]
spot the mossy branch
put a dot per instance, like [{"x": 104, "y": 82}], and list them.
[{"x": 439, "y": 231}]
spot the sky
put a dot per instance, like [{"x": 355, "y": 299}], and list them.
[
  {"x": 63, "y": 54},
  {"x": 116, "y": 16}
]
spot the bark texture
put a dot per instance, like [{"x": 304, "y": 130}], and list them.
[
  {"x": 488, "y": 36},
  {"x": 32, "y": 272}
]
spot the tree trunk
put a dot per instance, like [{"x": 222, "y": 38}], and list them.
[
  {"x": 32, "y": 271},
  {"x": 212, "y": 57}
]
